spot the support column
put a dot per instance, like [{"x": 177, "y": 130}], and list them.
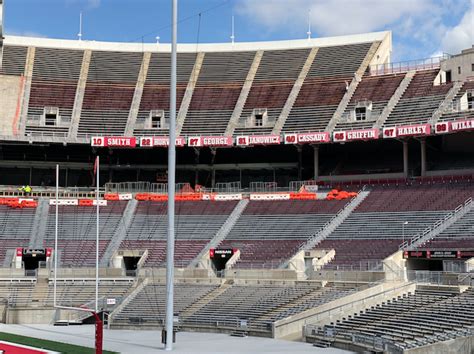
[
  {"x": 196, "y": 162},
  {"x": 423, "y": 156},
  {"x": 316, "y": 162},
  {"x": 405, "y": 158},
  {"x": 299, "y": 148}
]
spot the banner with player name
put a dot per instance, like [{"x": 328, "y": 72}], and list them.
[
  {"x": 456, "y": 126},
  {"x": 354, "y": 135},
  {"x": 249, "y": 140},
  {"x": 307, "y": 138},
  {"x": 114, "y": 141},
  {"x": 211, "y": 141},
  {"x": 407, "y": 131},
  {"x": 160, "y": 141}
]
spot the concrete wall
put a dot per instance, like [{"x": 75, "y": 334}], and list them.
[
  {"x": 394, "y": 267},
  {"x": 339, "y": 308},
  {"x": 352, "y": 276},
  {"x": 461, "y": 345},
  {"x": 277, "y": 274},
  {"x": 462, "y": 61},
  {"x": 10, "y": 101},
  {"x": 30, "y": 316}
]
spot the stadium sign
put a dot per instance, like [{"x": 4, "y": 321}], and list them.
[
  {"x": 442, "y": 128},
  {"x": 212, "y": 141},
  {"x": 307, "y": 138},
  {"x": 248, "y": 140},
  {"x": 456, "y": 126},
  {"x": 270, "y": 196},
  {"x": 407, "y": 130},
  {"x": 114, "y": 141},
  {"x": 354, "y": 135},
  {"x": 160, "y": 141}
]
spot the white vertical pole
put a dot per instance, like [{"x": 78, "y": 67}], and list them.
[
  {"x": 56, "y": 236},
  {"x": 80, "y": 26},
  {"x": 232, "y": 36},
  {"x": 171, "y": 183},
  {"x": 309, "y": 25},
  {"x": 97, "y": 240}
]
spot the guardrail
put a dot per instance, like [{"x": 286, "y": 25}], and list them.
[
  {"x": 425, "y": 234},
  {"x": 404, "y": 66}
]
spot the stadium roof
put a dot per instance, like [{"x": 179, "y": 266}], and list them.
[{"x": 201, "y": 47}]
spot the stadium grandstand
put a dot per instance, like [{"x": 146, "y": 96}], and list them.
[{"x": 324, "y": 193}]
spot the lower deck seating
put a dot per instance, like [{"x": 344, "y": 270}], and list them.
[
  {"x": 148, "y": 307},
  {"x": 363, "y": 254},
  {"x": 427, "y": 316}
]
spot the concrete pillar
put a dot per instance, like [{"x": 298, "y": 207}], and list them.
[
  {"x": 213, "y": 182},
  {"x": 423, "y": 156},
  {"x": 66, "y": 177},
  {"x": 316, "y": 162},
  {"x": 299, "y": 148},
  {"x": 196, "y": 161},
  {"x": 405, "y": 158}
]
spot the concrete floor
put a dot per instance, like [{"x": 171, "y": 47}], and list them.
[{"x": 132, "y": 342}]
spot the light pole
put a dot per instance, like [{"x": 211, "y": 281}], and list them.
[{"x": 403, "y": 230}]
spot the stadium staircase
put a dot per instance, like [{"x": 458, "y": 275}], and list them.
[
  {"x": 445, "y": 104},
  {"x": 137, "y": 96},
  {"x": 352, "y": 87},
  {"x": 394, "y": 99},
  {"x": 439, "y": 226},
  {"x": 131, "y": 295},
  {"x": 120, "y": 232},
  {"x": 332, "y": 225},
  {"x": 188, "y": 95},
  {"x": 294, "y": 93},
  {"x": 222, "y": 232},
  {"x": 28, "y": 74},
  {"x": 81, "y": 89},
  {"x": 40, "y": 224},
  {"x": 244, "y": 93}
]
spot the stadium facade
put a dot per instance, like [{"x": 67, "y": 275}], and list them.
[{"x": 264, "y": 244}]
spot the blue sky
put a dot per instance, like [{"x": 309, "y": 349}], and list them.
[{"x": 421, "y": 28}]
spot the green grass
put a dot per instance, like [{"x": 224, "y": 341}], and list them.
[{"x": 48, "y": 344}]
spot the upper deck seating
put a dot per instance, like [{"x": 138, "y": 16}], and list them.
[
  {"x": 109, "y": 92},
  {"x": 376, "y": 89},
  {"x": 324, "y": 86},
  {"x": 13, "y": 61},
  {"x": 419, "y": 101},
  {"x": 273, "y": 82},
  {"x": 156, "y": 91},
  {"x": 217, "y": 90},
  {"x": 55, "y": 76}
]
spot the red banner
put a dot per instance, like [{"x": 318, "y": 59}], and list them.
[
  {"x": 407, "y": 130},
  {"x": 354, "y": 135},
  {"x": 114, "y": 141},
  {"x": 247, "y": 140},
  {"x": 307, "y": 138},
  {"x": 461, "y": 125},
  {"x": 160, "y": 141},
  {"x": 213, "y": 141}
]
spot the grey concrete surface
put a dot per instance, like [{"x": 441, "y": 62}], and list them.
[{"x": 132, "y": 342}]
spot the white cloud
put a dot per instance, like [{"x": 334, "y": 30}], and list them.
[
  {"x": 419, "y": 26},
  {"x": 460, "y": 36},
  {"x": 88, "y": 4},
  {"x": 335, "y": 17}
]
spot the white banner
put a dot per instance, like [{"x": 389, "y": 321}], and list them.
[
  {"x": 235, "y": 196},
  {"x": 64, "y": 202},
  {"x": 307, "y": 138},
  {"x": 125, "y": 196},
  {"x": 246, "y": 140},
  {"x": 269, "y": 196}
]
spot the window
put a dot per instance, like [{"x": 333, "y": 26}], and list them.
[
  {"x": 472, "y": 67},
  {"x": 50, "y": 119},
  {"x": 360, "y": 113},
  {"x": 259, "y": 120},
  {"x": 470, "y": 100},
  {"x": 50, "y": 116},
  {"x": 448, "y": 76},
  {"x": 459, "y": 70},
  {"x": 156, "y": 120}
]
